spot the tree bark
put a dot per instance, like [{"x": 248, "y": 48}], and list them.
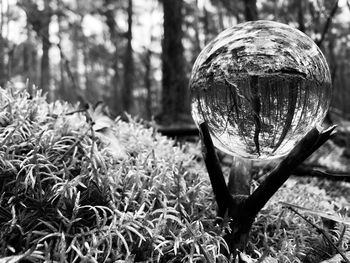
[
  {"x": 40, "y": 22},
  {"x": 197, "y": 43},
  {"x": 148, "y": 83},
  {"x": 175, "y": 100},
  {"x": 328, "y": 23},
  {"x": 79, "y": 47},
  {"x": 301, "y": 20},
  {"x": 63, "y": 92},
  {"x": 323, "y": 35},
  {"x": 30, "y": 72},
  {"x": 128, "y": 64},
  {"x": 112, "y": 27},
  {"x": 250, "y": 10},
  {"x": 206, "y": 25},
  {"x": 3, "y": 75},
  {"x": 89, "y": 91},
  {"x": 45, "y": 38}
]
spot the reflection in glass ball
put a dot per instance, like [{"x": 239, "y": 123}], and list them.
[{"x": 260, "y": 86}]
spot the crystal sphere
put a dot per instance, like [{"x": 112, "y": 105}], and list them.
[{"x": 260, "y": 87}]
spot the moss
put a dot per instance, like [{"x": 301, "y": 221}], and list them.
[{"x": 72, "y": 192}]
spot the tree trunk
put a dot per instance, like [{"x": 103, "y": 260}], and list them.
[
  {"x": 323, "y": 35},
  {"x": 175, "y": 102},
  {"x": 89, "y": 90},
  {"x": 76, "y": 29},
  {"x": 40, "y": 22},
  {"x": 63, "y": 92},
  {"x": 128, "y": 64},
  {"x": 301, "y": 19},
  {"x": 197, "y": 43},
  {"x": 328, "y": 23},
  {"x": 112, "y": 27},
  {"x": 10, "y": 61},
  {"x": 3, "y": 76},
  {"x": 30, "y": 73},
  {"x": 250, "y": 10},
  {"x": 221, "y": 18},
  {"x": 45, "y": 60},
  {"x": 206, "y": 25},
  {"x": 148, "y": 83}
]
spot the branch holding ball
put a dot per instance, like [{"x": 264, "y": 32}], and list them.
[
  {"x": 259, "y": 90},
  {"x": 243, "y": 209}
]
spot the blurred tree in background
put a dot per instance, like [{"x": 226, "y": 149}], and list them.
[
  {"x": 136, "y": 55},
  {"x": 174, "y": 89}
]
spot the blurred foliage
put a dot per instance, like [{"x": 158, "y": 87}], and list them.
[{"x": 89, "y": 51}]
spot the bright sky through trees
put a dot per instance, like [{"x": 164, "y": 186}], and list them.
[{"x": 149, "y": 20}]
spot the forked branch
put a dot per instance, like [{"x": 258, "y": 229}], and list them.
[
  {"x": 243, "y": 209},
  {"x": 275, "y": 179}
]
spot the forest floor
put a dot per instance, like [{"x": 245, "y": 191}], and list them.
[{"x": 78, "y": 186}]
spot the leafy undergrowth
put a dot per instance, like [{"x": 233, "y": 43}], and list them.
[
  {"x": 289, "y": 238},
  {"x": 78, "y": 187}
]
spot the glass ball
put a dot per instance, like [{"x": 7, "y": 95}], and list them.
[{"x": 260, "y": 87}]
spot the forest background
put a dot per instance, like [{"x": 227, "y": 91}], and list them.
[{"x": 136, "y": 55}]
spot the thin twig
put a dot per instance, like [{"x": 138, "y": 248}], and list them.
[
  {"x": 67, "y": 66},
  {"x": 328, "y": 23},
  {"x": 76, "y": 111},
  {"x": 320, "y": 230},
  {"x": 322, "y": 172}
]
